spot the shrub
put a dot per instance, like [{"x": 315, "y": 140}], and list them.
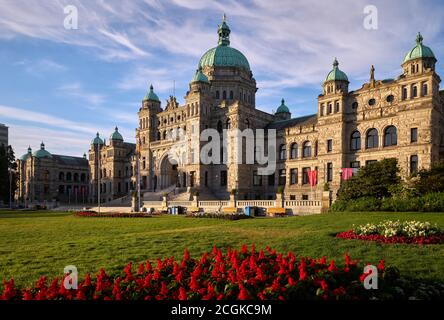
[
  {"x": 373, "y": 180},
  {"x": 433, "y": 202},
  {"x": 431, "y": 180}
]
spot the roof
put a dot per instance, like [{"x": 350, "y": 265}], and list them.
[
  {"x": 70, "y": 161},
  {"x": 97, "y": 140},
  {"x": 335, "y": 74},
  {"x": 42, "y": 153},
  {"x": 223, "y": 55},
  {"x": 283, "y": 108},
  {"x": 200, "y": 77},
  {"x": 150, "y": 95},
  {"x": 116, "y": 135},
  {"x": 279, "y": 125},
  {"x": 419, "y": 51}
]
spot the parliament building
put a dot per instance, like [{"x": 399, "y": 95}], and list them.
[{"x": 399, "y": 118}]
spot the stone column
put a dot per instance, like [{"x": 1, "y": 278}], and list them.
[
  {"x": 326, "y": 201},
  {"x": 279, "y": 203}
]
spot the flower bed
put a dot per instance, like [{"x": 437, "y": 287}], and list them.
[
  {"x": 226, "y": 216},
  {"x": 244, "y": 275},
  {"x": 111, "y": 214},
  {"x": 397, "y": 232}
]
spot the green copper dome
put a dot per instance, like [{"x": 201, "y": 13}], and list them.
[
  {"x": 150, "y": 95},
  {"x": 42, "y": 153},
  {"x": 335, "y": 74},
  {"x": 223, "y": 55},
  {"x": 116, "y": 135},
  {"x": 97, "y": 140},
  {"x": 419, "y": 51},
  {"x": 199, "y": 76},
  {"x": 26, "y": 156},
  {"x": 283, "y": 108}
]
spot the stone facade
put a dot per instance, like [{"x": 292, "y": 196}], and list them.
[
  {"x": 45, "y": 178},
  {"x": 116, "y": 168},
  {"x": 395, "y": 118}
]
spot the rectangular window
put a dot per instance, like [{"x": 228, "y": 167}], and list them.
[
  {"x": 329, "y": 145},
  {"x": 271, "y": 179},
  {"x": 305, "y": 175},
  {"x": 293, "y": 176},
  {"x": 257, "y": 179},
  {"x": 413, "y": 164},
  {"x": 413, "y": 135},
  {"x": 292, "y": 197},
  {"x": 404, "y": 92},
  {"x": 305, "y": 197},
  {"x": 329, "y": 172},
  {"x": 355, "y": 165},
  {"x": 282, "y": 177},
  {"x": 223, "y": 178}
]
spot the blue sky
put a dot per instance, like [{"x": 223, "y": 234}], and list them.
[{"x": 62, "y": 86}]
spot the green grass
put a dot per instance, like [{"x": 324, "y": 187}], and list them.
[{"x": 43, "y": 243}]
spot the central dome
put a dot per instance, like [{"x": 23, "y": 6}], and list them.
[{"x": 223, "y": 55}]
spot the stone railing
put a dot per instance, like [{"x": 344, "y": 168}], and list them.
[
  {"x": 296, "y": 207},
  {"x": 255, "y": 203}
]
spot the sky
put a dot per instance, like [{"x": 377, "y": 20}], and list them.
[{"x": 62, "y": 85}]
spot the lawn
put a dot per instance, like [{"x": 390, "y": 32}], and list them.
[{"x": 43, "y": 243}]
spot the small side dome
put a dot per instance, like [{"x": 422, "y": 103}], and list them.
[
  {"x": 335, "y": 74},
  {"x": 116, "y": 136},
  {"x": 27, "y": 155},
  {"x": 200, "y": 77},
  {"x": 42, "y": 153},
  {"x": 97, "y": 140},
  {"x": 283, "y": 108},
  {"x": 419, "y": 51},
  {"x": 151, "y": 96}
]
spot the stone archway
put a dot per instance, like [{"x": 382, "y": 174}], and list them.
[{"x": 168, "y": 173}]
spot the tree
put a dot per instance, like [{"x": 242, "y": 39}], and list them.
[
  {"x": 374, "y": 180},
  {"x": 7, "y": 165},
  {"x": 431, "y": 180}
]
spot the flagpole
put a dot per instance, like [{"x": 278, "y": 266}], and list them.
[{"x": 138, "y": 171}]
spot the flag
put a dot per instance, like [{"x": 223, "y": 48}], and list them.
[
  {"x": 312, "y": 175},
  {"x": 347, "y": 173}
]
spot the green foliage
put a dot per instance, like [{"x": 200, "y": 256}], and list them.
[
  {"x": 374, "y": 180},
  {"x": 431, "y": 180},
  {"x": 233, "y": 192},
  {"x": 7, "y": 162},
  {"x": 280, "y": 190},
  {"x": 326, "y": 187},
  {"x": 431, "y": 202}
]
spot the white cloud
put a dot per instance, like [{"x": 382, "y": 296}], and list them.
[{"x": 76, "y": 90}]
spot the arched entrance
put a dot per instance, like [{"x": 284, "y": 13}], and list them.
[{"x": 168, "y": 173}]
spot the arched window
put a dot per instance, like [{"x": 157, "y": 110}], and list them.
[
  {"x": 390, "y": 136},
  {"x": 247, "y": 123},
  {"x": 306, "y": 149},
  {"x": 231, "y": 95},
  {"x": 282, "y": 152},
  {"x": 61, "y": 176},
  {"x": 164, "y": 135},
  {"x": 76, "y": 177},
  {"x": 355, "y": 141},
  {"x": 228, "y": 124},
  {"x": 83, "y": 177},
  {"x": 158, "y": 135},
  {"x": 372, "y": 139},
  {"x": 217, "y": 94},
  {"x": 294, "y": 151},
  {"x": 224, "y": 95},
  {"x": 68, "y": 176},
  {"x": 219, "y": 126}
]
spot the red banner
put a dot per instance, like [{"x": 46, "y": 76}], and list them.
[
  {"x": 312, "y": 177},
  {"x": 347, "y": 173}
]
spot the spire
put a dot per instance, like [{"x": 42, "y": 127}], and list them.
[
  {"x": 29, "y": 149},
  {"x": 84, "y": 155},
  {"x": 419, "y": 38},
  {"x": 224, "y": 32},
  {"x": 42, "y": 146},
  {"x": 117, "y": 129},
  {"x": 335, "y": 63}
]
